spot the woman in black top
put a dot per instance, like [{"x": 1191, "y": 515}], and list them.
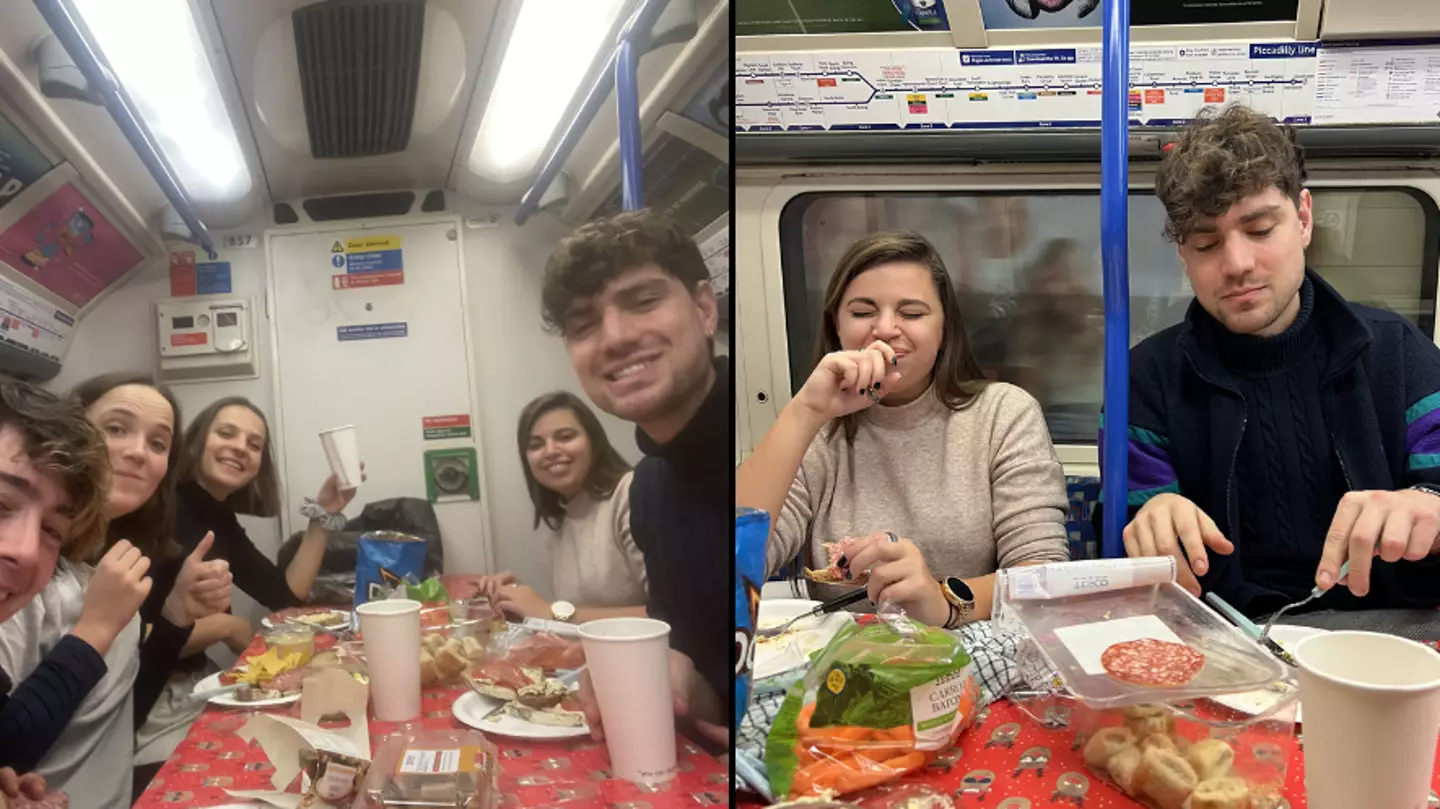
[{"x": 226, "y": 468}]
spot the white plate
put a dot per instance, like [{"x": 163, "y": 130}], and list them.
[
  {"x": 471, "y": 709},
  {"x": 228, "y": 700},
  {"x": 1254, "y": 702},
  {"x": 336, "y": 627},
  {"x": 792, "y": 650}
]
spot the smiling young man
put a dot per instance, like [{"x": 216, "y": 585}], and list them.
[
  {"x": 631, "y": 297},
  {"x": 1279, "y": 430}
]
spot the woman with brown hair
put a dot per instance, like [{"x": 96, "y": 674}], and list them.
[
  {"x": 899, "y": 450},
  {"x": 581, "y": 490},
  {"x": 225, "y": 469}
]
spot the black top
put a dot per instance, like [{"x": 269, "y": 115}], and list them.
[
  {"x": 1288, "y": 480},
  {"x": 197, "y": 512},
  {"x": 32, "y": 718},
  {"x": 680, "y": 517}
]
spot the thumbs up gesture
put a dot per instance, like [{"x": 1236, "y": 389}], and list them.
[{"x": 201, "y": 589}]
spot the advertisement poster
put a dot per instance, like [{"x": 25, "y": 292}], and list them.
[
  {"x": 754, "y": 17},
  {"x": 66, "y": 245},
  {"x": 20, "y": 162},
  {"x": 1010, "y": 14}
]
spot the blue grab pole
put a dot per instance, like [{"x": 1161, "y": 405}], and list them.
[
  {"x": 627, "y": 107},
  {"x": 1114, "y": 258}
]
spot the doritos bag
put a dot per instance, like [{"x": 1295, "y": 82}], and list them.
[
  {"x": 383, "y": 561},
  {"x": 752, "y": 529}
]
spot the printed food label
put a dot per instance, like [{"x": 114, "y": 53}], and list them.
[
  {"x": 936, "y": 708},
  {"x": 431, "y": 761}
]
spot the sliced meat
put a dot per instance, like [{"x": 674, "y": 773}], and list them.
[{"x": 1152, "y": 662}]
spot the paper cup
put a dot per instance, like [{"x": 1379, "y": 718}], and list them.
[
  {"x": 1371, "y": 706},
  {"x": 342, "y": 450},
  {"x": 392, "y": 654},
  {"x": 629, "y": 664}
]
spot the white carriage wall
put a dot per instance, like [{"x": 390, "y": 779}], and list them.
[{"x": 514, "y": 359}]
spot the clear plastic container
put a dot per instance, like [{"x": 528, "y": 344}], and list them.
[
  {"x": 458, "y": 769},
  {"x": 1073, "y": 611},
  {"x": 288, "y": 639}
]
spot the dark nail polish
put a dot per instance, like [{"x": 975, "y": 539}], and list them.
[
  {"x": 847, "y": 573},
  {"x": 877, "y": 386},
  {"x": 842, "y": 562},
  {"x": 895, "y": 361}
]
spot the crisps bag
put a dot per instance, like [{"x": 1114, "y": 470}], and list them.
[
  {"x": 880, "y": 701},
  {"x": 752, "y": 529},
  {"x": 383, "y": 561}
]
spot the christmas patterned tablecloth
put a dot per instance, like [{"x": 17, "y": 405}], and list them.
[{"x": 1009, "y": 761}]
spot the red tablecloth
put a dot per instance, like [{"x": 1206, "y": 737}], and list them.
[
  {"x": 572, "y": 773},
  {"x": 985, "y": 769}
]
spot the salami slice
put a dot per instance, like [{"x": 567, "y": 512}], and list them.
[{"x": 1152, "y": 662}]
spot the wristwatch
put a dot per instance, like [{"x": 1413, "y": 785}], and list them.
[
  {"x": 1428, "y": 488},
  {"x": 961, "y": 599},
  {"x": 562, "y": 611}
]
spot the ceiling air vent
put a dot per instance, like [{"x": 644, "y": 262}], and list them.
[{"x": 359, "y": 67}]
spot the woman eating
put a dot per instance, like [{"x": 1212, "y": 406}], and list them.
[
  {"x": 226, "y": 469},
  {"x": 581, "y": 490},
  {"x": 87, "y": 748},
  {"x": 898, "y": 449}
]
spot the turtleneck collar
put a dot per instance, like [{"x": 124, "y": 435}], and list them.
[
  {"x": 924, "y": 408},
  {"x": 1249, "y": 354},
  {"x": 701, "y": 445}
]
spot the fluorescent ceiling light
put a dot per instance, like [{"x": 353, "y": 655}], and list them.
[
  {"x": 551, "y": 47},
  {"x": 155, "y": 50}
]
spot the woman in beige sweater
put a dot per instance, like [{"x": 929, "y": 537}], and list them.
[
  {"x": 581, "y": 490},
  {"x": 898, "y": 446}
]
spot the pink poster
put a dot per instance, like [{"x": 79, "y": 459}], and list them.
[{"x": 68, "y": 247}]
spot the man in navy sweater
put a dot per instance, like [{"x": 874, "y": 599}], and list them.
[
  {"x": 1279, "y": 430},
  {"x": 631, "y": 296}
]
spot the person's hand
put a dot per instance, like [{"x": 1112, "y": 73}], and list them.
[
  {"x": 690, "y": 696},
  {"x": 848, "y": 381},
  {"x": 202, "y": 588},
  {"x": 521, "y": 601},
  {"x": 30, "y": 785},
  {"x": 116, "y": 590},
  {"x": 332, "y": 498},
  {"x": 1391, "y": 525},
  {"x": 241, "y": 634},
  {"x": 1170, "y": 525},
  {"x": 898, "y": 574},
  {"x": 489, "y": 586}
]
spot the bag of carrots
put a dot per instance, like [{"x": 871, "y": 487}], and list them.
[{"x": 880, "y": 701}]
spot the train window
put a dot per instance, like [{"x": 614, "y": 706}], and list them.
[{"x": 1027, "y": 270}]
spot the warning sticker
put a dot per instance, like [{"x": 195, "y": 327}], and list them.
[
  {"x": 192, "y": 339},
  {"x": 371, "y": 331},
  {"x": 384, "y": 278},
  {"x": 368, "y": 254},
  {"x": 441, "y": 427}
]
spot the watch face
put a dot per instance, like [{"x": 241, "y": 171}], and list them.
[{"x": 960, "y": 588}]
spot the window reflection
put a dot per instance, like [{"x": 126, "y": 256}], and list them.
[{"x": 1027, "y": 270}]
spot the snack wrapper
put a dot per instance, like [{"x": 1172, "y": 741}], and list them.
[
  {"x": 384, "y": 559},
  {"x": 752, "y": 531},
  {"x": 881, "y": 700},
  {"x": 429, "y": 591}
]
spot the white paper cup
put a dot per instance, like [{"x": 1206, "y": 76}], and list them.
[
  {"x": 392, "y": 654},
  {"x": 1371, "y": 707},
  {"x": 629, "y": 664},
  {"x": 342, "y": 450}
]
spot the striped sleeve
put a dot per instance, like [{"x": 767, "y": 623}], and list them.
[
  {"x": 1422, "y": 435},
  {"x": 1150, "y": 470}
]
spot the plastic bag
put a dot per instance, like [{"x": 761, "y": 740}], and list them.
[
  {"x": 430, "y": 591},
  {"x": 752, "y": 529},
  {"x": 385, "y": 559},
  {"x": 880, "y": 701}
]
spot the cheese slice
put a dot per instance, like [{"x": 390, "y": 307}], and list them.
[{"x": 547, "y": 716}]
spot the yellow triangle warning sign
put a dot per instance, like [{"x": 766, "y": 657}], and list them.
[{"x": 338, "y": 248}]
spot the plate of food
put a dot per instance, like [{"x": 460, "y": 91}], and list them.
[
  {"x": 262, "y": 681},
  {"x": 507, "y": 700},
  {"x": 331, "y": 618},
  {"x": 776, "y": 654}
]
